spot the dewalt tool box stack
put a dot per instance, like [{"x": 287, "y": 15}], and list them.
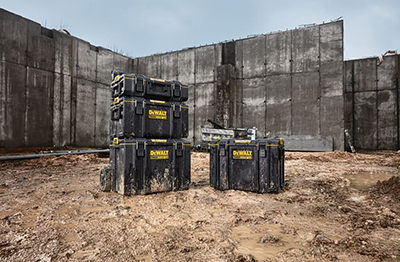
[
  {"x": 148, "y": 121},
  {"x": 250, "y": 165}
]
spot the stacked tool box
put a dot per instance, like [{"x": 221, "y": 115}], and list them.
[{"x": 148, "y": 121}]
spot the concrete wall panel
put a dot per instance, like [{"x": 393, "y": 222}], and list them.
[
  {"x": 205, "y": 64},
  {"x": 279, "y": 105},
  {"x": 348, "y": 116},
  {"x": 169, "y": 66},
  {"x": 62, "y": 110},
  {"x": 103, "y": 115},
  {"x": 305, "y": 49},
  {"x": 41, "y": 52},
  {"x": 364, "y": 75},
  {"x": 13, "y": 32},
  {"x": 141, "y": 66},
  {"x": 386, "y": 74},
  {"x": 331, "y": 85},
  {"x": 305, "y": 92},
  {"x": 186, "y": 66},
  {"x": 387, "y": 120},
  {"x": 239, "y": 59},
  {"x": 120, "y": 63},
  {"x": 153, "y": 64},
  {"x": 105, "y": 66},
  {"x": 39, "y": 108},
  {"x": 348, "y": 76},
  {"x": 204, "y": 101},
  {"x": 365, "y": 125},
  {"x": 64, "y": 52},
  {"x": 12, "y": 104},
  {"x": 254, "y": 57},
  {"x": 254, "y": 91},
  {"x": 85, "y": 113},
  {"x": 279, "y": 53},
  {"x": 87, "y": 61},
  {"x": 332, "y": 122},
  {"x": 331, "y": 46}
]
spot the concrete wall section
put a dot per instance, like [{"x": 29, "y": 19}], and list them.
[{"x": 374, "y": 90}]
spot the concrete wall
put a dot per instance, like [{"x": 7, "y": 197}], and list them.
[
  {"x": 54, "y": 87},
  {"x": 285, "y": 83},
  {"x": 372, "y": 103}
]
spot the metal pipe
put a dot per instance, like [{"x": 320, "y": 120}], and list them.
[{"x": 59, "y": 153}]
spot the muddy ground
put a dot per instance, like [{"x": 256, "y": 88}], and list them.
[{"x": 52, "y": 210}]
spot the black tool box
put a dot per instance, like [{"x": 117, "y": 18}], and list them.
[
  {"x": 138, "y": 117},
  {"x": 143, "y": 166},
  {"x": 146, "y": 87},
  {"x": 249, "y": 165}
]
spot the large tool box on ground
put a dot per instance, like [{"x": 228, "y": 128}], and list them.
[
  {"x": 141, "y": 86},
  {"x": 142, "y": 166},
  {"x": 249, "y": 165},
  {"x": 138, "y": 117}
]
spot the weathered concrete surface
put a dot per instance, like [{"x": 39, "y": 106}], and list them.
[
  {"x": 39, "y": 108},
  {"x": 102, "y": 115},
  {"x": 305, "y": 49},
  {"x": 85, "y": 113},
  {"x": 279, "y": 105},
  {"x": 205, "y": 108},
  {"x": 169, "y": 66},
  {"x": 205, "y": 64},
  {"x": 13, "y": 32},
  {"x": 387, "y": 120},
  {"x": 305, "y": 102},
  {"x": 283, "y": 83},
  {"x": 12, "y": 105},
  {"x": 308, "y": 143},
  {"x": 365, "y": 126},
  {"x": 279, "y": 53},
  {"x": 375, "y": 124},
  {"x": 254, "y": 91},
  {"x": 254, "y": 57}
]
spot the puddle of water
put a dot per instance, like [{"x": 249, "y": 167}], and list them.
[
  {"x": 145, "y": 258},
  {"x": 366, "y": 180},
  {"x": 95, "y": 209},
  {"x": 249, "y": 240}
]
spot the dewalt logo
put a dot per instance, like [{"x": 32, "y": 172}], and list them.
[
  {"x": 157, "y": 114},
  {"x": 158, "y": 154},
  {"x": 242, "y": 154}
]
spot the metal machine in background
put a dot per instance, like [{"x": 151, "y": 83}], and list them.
[{"x": 220, "y": 132}]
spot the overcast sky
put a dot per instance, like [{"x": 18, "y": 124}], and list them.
[{"x": 140, "y": 28}]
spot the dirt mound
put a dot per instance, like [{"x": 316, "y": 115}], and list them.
[{"x": 389, "y": 187}]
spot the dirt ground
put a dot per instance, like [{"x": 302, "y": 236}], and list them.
[{"x": 332, "y": 209}]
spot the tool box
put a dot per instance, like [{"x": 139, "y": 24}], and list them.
[
  {"x": 147, "y": 87},
  {"x": 143, "y": 166},
  {"x": 249, "y": 165},
  {"x": 138, "y": 117}
]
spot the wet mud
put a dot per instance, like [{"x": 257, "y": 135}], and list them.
[{"x": 335, "y": 207}]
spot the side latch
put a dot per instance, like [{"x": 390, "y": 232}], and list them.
[
  {"x": 139, "y": 107},
  {"x": 140, "y": 148},
  {"x": 179, "y": 148},
  {"x": 262, "y": 151},
  {"x": 177, "y": 110},
  {"x": 223, "y": 148},
  {"x": 177, "y": 90}
]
